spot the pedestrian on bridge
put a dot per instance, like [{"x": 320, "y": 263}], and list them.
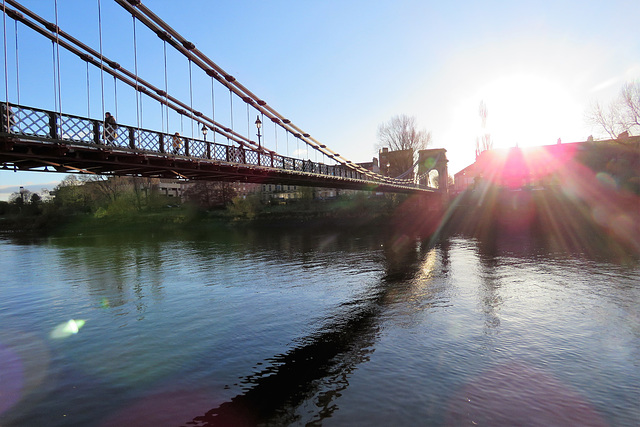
[
  {"x": 177, "y": 143},
  {"x": 110, "y": 128}
]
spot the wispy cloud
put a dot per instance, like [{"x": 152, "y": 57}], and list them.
[
  {"x": 605, "y": 84},
  {"x": 633, "y": 72}
]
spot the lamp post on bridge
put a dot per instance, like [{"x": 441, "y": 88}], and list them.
[
  {"x": 204, "y": 132},
  {"x": 204, "y": 135},
  {"x": 259, "y": 125}
]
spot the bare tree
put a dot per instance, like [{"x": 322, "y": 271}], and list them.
[
  {"x": 401, "y": 133},
  {"x": 630, "y": 95},
  {"x": 71, "y": 193},
  {"x": 20, "y": 197},
  {"x": 209, "y": 195},
  {"x": 622, "y": 114},
  {"x": 484, "y": 141},
  {"x": 141, "y": 186},
  {"x": 109, "y": 187}
]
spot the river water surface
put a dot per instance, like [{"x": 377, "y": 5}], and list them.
[{"x": 246, "y": 327}]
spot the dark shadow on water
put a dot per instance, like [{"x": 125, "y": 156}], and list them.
[{"x": 318, "y": 369}]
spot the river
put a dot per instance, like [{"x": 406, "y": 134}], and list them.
[{"x": 335, "y": 328}]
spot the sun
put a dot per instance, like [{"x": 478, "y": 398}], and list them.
[{"x": 529, "y": 110}]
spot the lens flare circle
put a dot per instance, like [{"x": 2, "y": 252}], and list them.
[{"x": 66, "y": 329}]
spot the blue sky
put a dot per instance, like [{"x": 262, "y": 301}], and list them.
[{"x": 338, "y": 69}]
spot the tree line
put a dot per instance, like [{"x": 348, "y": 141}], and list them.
[
  {"x": 132, "y": 200},
  {"x": 115, "y": 196}
]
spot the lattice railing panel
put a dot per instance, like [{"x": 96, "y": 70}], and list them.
[
  {"x": 278, "y": 162},
  {"x": 146, "y": 140},
  {"x": 288, "y": 163},
  {"x": 25, "y": 121},
  {"x": 264, "y": 159},
  {"x": 118, "y": 136},
  {"x": 198, "y": 148},
  {"x": 251, "y": 157},
  {"x": 76, "y": 129},
  {"x": 121, "y": 139},
  {"x": 235, "y": 155},
  {"x": 219, "y": 152}
]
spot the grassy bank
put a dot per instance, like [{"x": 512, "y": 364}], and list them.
[{"x": 347, "y": 212}]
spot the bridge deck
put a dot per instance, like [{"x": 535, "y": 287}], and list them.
[{"x": 35, "y": 139}]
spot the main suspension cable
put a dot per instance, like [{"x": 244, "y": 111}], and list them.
[
  {"x": 115, "y": 70},
  {"x": 188, "y": 49},
  {"x": 233, "y": 86}
]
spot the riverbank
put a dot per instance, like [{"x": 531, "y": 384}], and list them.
[
  {"x": 553, "y": 218},
  {"x": 316, "y": 214}
]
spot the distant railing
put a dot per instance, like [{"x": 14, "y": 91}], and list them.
[{"x": 50, "y": 126}]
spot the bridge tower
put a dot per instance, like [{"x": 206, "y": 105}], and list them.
[{"x": 434, "y": 159}]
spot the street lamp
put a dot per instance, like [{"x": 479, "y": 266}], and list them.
[
  {"x": 204, "y": 132},
  {"x": 258, "y": 125}
]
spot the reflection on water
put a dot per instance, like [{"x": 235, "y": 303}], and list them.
[
  {"x": 246, "y": 327},
  {"x": 316, "y": 371}
]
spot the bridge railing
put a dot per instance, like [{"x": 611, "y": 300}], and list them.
[{"x": 52, "y": 127}]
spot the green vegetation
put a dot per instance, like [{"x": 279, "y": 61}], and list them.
[
  {"x": 619, "y": 160},
  {"x": 80, "y": 203}
]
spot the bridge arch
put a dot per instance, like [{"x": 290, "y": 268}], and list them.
[{"x": 434, "y": 159}]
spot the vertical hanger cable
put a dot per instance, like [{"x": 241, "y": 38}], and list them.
[
  {"x": 213, "y": 109},
  {"x": 135, "y": 66},
  {"x": 58, "y": 58},
  {"x": 101, "y": 59},
  {"x": 166, "y": 83},
  {"x": 17, "y": 65},
  {"x": 88, "y": 93},
  {"x": 191, "y": 98},
  {"x": 6, "y": 73}
]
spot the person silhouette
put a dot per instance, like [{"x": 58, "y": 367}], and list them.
[
  {"x": 110, "y": 128},
  {"x": 176, "y": 143}
]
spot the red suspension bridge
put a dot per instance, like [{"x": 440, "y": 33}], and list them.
[{"x": 33, "y": 138}]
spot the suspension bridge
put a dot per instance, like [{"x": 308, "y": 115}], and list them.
[{"x": 34, "y": 138}]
